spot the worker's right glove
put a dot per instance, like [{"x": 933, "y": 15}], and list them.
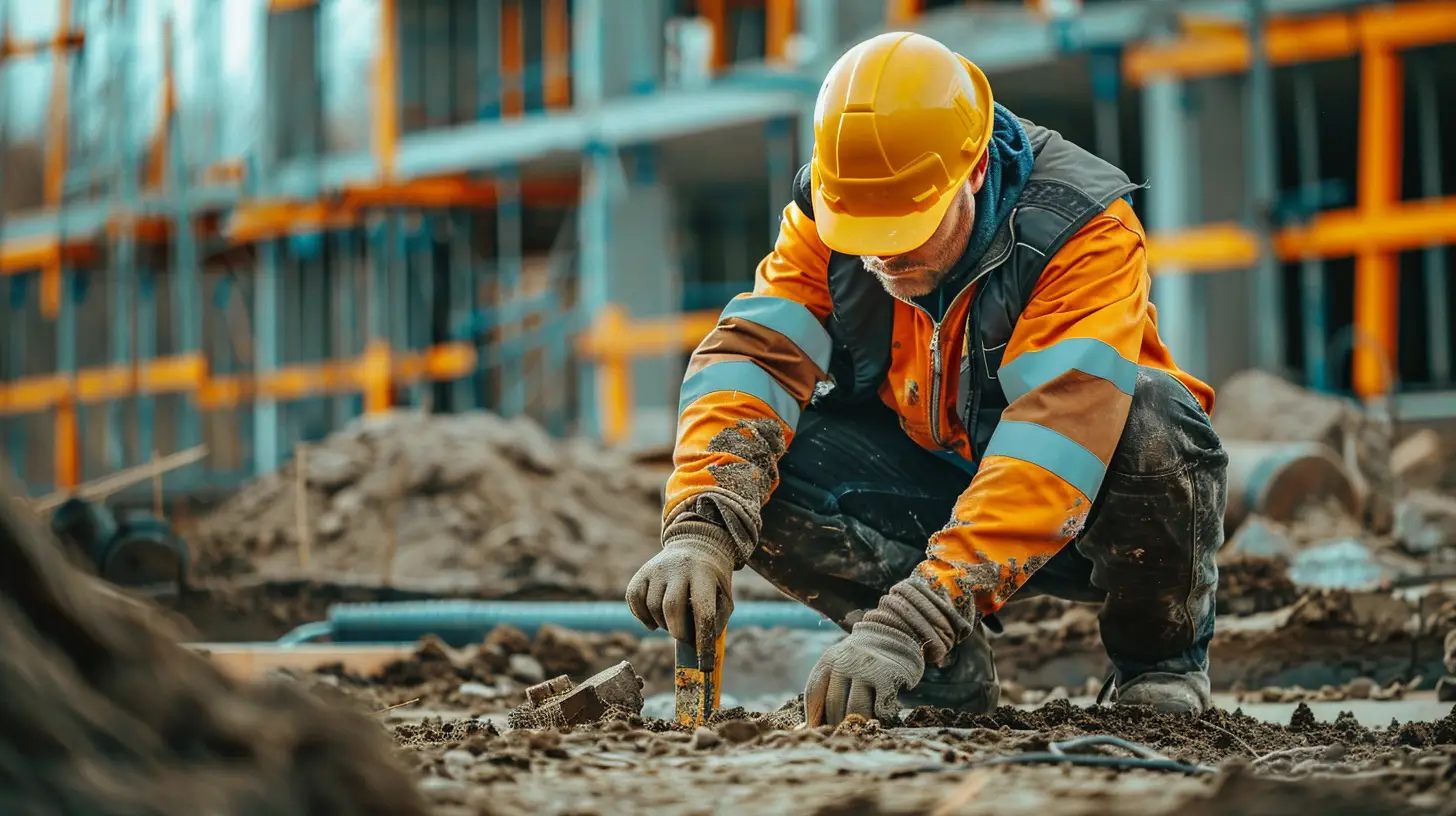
[
  {"x": 687, "y": 588},
  {"x": 884, "y": 654}
]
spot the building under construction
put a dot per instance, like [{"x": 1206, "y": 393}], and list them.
[{"x": 243, "y": 223}]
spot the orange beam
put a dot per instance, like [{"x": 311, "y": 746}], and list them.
[
  {"x": 615, "y": 336},
  {"x": 386, "y": 90},
  {"x": 262, "y": 220},
  {"x": 1205, "y": 248},
  {"x": 373, "y": 373},
  {"x": 65, "y": 41},
  {"x": 512, "y": 59},
  {"x": 901, "y": 11},
  {"x": 557, "y": 48},
  {"x": 281, "y": 6},
  {"x": 165, "y": 375},
  {"x": 1212, "y": 52},
  {"x": 1377, "y": 281},
  {"x": 716, "y": 13},
  {"x": 779, "y": 26}
]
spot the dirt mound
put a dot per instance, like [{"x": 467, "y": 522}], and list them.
[
  {"x": 482, "y": 504},
  {"x": 104, "y": 713},
  {"x": 1250, "y": 584}
]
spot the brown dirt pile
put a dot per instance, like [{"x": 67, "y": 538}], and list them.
[
  {"x": 481, "y": 504},
  {"x": 104, "y": 713}
]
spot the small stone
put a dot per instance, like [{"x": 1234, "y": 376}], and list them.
[
  {"x": 526, "y": 668},
  {"x": 1360, "y": 688},
  {"x": 1446, "y": 689},
  {"x": 457, "y": 757},
  {"x": 738, "y": 731},
  {"x": 704, "y": 738},
  {"x": 331, "y": 524},
  {"x": 1333, "y": 752},
  {"x": 444, "y": 791},
  {"x": 473, "y": 689}
]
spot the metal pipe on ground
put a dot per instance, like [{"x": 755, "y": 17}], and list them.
[
  {"x": 1276, "y": 480},
  {"x": 461, "y": 623}
]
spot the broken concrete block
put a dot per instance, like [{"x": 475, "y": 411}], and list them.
[
  {"x": 619, "y": 686},
  {"x": 556, "y": 704},
  {"x": 1451, "y": 651}
]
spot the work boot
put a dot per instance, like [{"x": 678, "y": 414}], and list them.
[
  {"x": 1168, "y": 692},
  {"x": 967, "y": 682}
]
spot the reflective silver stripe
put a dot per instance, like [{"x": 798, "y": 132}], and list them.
[
  {"x": 792, "y": 320},
  {"x": 744, "y": 377},
  {"x": 1037, "y": 368},
  {"x": 1048, "y": 449}
]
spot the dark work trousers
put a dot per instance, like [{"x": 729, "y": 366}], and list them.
[{"x": 858, "y": 501}]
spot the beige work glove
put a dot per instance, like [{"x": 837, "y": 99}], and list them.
[
  {"x": 687, "y": 588},
  {"x": 884, "y": 654}
]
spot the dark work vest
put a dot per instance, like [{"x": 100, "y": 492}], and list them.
[{"x": 1068, "y": 187}]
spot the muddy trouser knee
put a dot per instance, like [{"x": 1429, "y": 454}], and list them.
[
  {"x": 1149, "y": 547},
  {"x": 856, "y": 503}
]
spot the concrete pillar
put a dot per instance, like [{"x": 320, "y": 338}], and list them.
[
  {"x": 1263, "y": 169},
  {"x": 1181, "y": 312},
  {"x": 266, "y": 447},
  {"x": 1221, "y": 195}
]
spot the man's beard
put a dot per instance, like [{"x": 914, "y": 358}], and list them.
[{"x": 906, "y": 280}]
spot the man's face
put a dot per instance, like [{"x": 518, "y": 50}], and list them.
[{"x": 919, "y": 271}]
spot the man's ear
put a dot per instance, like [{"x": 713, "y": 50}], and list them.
[{"x": 978, "y": 176}]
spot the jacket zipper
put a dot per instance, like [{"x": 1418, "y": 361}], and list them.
[{"x": 934, "y": 406}]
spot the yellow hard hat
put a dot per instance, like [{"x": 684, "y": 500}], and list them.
[{"x": 900, "y": 124}]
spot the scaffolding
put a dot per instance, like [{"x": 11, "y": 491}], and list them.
[{"x": 517, "y": 214}]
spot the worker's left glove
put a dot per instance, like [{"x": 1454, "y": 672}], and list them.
[{"x": 883, "y": 654}]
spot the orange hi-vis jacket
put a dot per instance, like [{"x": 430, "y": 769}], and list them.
[{"x": 1067, "y": 373}]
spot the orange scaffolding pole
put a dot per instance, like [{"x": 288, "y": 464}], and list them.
[
  {"x": 512, "y": 59},
  {"x": 716, "y": 13},
  {"x": 556, "y": 36},
  {"x": 1377, "y": 282},
  {"x": 386, "y": 90},
  {"x": 779, "y": 26}
]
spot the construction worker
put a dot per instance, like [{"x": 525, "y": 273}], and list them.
[{"x": 946, "y": 388}]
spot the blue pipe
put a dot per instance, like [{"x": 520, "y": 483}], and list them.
[{"x": 462, "y": 623}]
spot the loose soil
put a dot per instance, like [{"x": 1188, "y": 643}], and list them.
[
  {"x": 104, "y": 713},
  {"x": 469, "y": 503}
]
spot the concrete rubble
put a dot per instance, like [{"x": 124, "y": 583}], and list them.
[
  {"x": 616, "y": 692},
  {"x": 478, "y": 504}
]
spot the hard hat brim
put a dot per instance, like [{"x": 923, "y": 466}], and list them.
[{"x": 880, "y": 235}]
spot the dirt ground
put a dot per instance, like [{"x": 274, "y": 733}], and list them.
[{"x": 934, "y": 763}]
